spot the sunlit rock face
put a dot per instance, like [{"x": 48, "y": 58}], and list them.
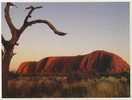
[
  {"x": 27, "y": 67},
  {"x": 98, "y": 62},
  {"x": 62, "y": 64}
]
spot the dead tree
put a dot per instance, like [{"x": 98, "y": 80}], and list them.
[{"x": 9, "y": 45}]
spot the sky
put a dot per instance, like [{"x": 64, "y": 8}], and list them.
[{"x": 89, "y": 27}]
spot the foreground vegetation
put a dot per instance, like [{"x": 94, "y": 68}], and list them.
[{"x": 61, "y": 86}]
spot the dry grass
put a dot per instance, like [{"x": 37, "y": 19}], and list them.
[{"x": 59, "y": 87}]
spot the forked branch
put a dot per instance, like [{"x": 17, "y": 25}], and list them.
[
  {"x": 16, "y": 33},
  {"x": 31, "y": 9},
  {"x": 29, "y": 23},
  {"x": 8, "y": 19}
]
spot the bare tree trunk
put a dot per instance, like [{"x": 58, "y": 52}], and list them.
[{"x": 5, "y": 70}]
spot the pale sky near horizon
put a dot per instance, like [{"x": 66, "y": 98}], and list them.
[{"x": 90, "y": 26}]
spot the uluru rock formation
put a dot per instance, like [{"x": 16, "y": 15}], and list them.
[{"x": 98, "y": 62}]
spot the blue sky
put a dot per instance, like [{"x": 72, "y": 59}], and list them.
[{"x": 90, "y": 26}]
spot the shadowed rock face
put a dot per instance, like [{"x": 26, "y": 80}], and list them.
[
  {"x": 97, "y": 62},
  {"x": 103, "y": 62}
]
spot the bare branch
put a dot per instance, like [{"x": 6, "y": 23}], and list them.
[
  {"x": 49, "y": 24},
  {"x": 2, "y": 51},
  {"x": 52, "y": 27},
  {"x": 11, "y": 4},
  {"x": 27, "y": 23},
  {"x": 5, "y": 43},
  {"x": 8, "y": 19},
  {"x": 16, "y": 44},
  {"x": 31, "y": 7},
  {"x": 30, "y": 12},
  {"x": 13, "y": 54}
]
